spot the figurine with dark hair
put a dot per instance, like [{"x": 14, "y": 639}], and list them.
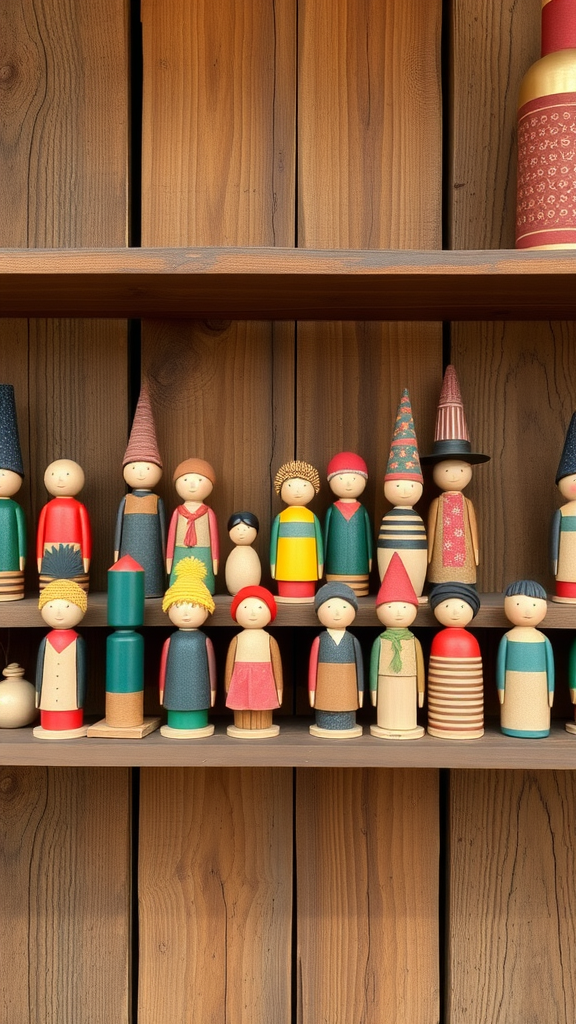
[
  {"x": 243, "y": 568},
  {"x": 563, "y": 531},
  {"x": 335, "y": 671},
  {"x": 455, "y": 684},
  {"x": 525, "y": 666}
]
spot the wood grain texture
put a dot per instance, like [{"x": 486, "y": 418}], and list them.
[
  {"x": 367, "y": 870},
  {"x": 511, "y": 933},
  {"x": 215, "y": 884},
  {"x": 64, "y": 856}
]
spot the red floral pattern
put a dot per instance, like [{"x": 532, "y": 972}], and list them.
[{"x": 546, "y": 192}]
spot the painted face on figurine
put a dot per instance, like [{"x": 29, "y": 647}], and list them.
[
  {"x": 186, "y": 615},
  {"x": 454, "y": 612},
  {"x": 336, "y": 613},
  {"x": 297, "y": 491},
  {"x": 142, "y": 475},
  {"x": 347, "y": 485},
  {"x": 567, "y": 487},
  {"x": 193, "y": 487},
  {"x": 522, "y": 610},
  {"x": 403, "y": 493},
  {"x": 396, "y": 614},
  {"x": 61, "y": 614},
  {"x": 10, "y": 483},
  {"x": 452, "y": 474},
  {"x": 242, "y": 534},
  {"x": 252, "y": 613},
  {"x": 64, "y": 478}
]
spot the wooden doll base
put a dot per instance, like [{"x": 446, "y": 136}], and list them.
[
  {"x": 59, "y": 734},
  {"x": 12, "y": 585},
  {"x": 454, "y": 734},
  {"x": 103, "y": 730},
  {"x": 571, "y": 727},
  {"x": 563, "y": 600},
  {"x": 294, "y": 600},
  {"x": 397, "y": 734},
  {"x": 423, "y": 599},
  {"x": 186, "y": 734},
  {"x": 336, "y": 734},
  {"x": 252, "y": 734}
]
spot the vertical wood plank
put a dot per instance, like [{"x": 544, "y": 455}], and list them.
[
  {"x": 367, "y": 870},
  {"x": 215, "y": 895},
  {"x": 64, "y": 858}
]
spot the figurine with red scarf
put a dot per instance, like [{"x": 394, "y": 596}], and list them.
[{"x": 193, "y": 528}]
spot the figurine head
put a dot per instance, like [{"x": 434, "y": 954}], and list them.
[
  {"x": 396, "y": 603},
  {"x": 10, "y": 483},
  {"x": 336, "y": 605},
  {"x": 403, "y": 493},
  {"x": 194, "y": 479},
  {"x": 243, "y": 528},
  {"x": 253, "y": 607},
  {"x": 525, "y": 603},
  {"x": 188, "y": 601},
  {"x": 403, "y": 481},
  {"x": 63, "y": 604},
  {"x": 347, "y": 475},
  {"x": 64, "y": 478},
  {"x": 454, "y": 604},
  {"x": 452, "y": 474},
  {"x": 297, "y": 482},
  {"x": 144, "y": 475}
]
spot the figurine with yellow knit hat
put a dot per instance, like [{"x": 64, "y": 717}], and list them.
[
  {"x": 61, "y": 664},
  {"x": 141, "y": 519},
  {"x": 193, "y": 526},
  {"x": 296, "y": 546},
  {"x": 347, "y": 526},
  {"x": 188, "y": 665}
]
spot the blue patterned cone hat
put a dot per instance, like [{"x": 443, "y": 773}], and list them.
[
  {"x": 567, "y": 464},
  {"x": 10, "y": 454},
  {"x": 404, "y": 461}
]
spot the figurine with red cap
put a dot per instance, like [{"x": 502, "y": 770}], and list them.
[
  {"x": 253, "y": 674},
  {"x": 347, "y": 527},
  {"x": 396, "y": 662},
  {"x": 193, "y": 527}
]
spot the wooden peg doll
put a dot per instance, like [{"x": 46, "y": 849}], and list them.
[
  {"x": 141, "y": 520},
  {"x": 453, "y": 547},
  {"x": 455, "y": 683},
  {"x": 61, "y": 664},
  {"x": 296, "y": 547},
  {"x": 64, "y": 538},
  {"x": 402, "y": 529},
  {"x": 525, "y": 665},
  {"x": 12, "y": 521},
  {"x": 188, "y": 665},
  {"x": 253, "y": 674},
  {"x": 396, "y": 662},
  {"x": 347, "y": 526},
  {"x": 571, "y": 726},
  {"x": 335, "y": 671},
  {"x": 563, "y": 531},
  {"x": 193, "y": 527},
  {"x": 243, "y": 568}
]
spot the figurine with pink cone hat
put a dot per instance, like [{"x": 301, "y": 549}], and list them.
[
  {"x": 397, "y": 680},
  {"x": 563, "y": 530},
  {"x": 453, "y": 547},
  {"x": 141, "y": 519},
  {"x": 347, "y": 526},
  {"x": 402, "y": 530}
]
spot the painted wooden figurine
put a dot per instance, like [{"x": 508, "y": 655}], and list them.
[
  {"x": 347, "y": 526},
  {"x": 296, "y": 547},
  {"x": 243, "y": 568},
  {"x": 396, "y": 662},
  {"x": 402, "y": 529},
  {"x": 193, "y": 526},
  {"x": 453, "y": 547},
  {"x": 188, "y": 665},
  {"x": 525, "y": 665},
  {"x": 335, "y": 670},
  {"x": 455, "y": 683},
  {"x": 61, "y": 664},
  {"x": 570, "y": 726},
  {"x": 141, "y": 520},
  {"x": 253, "y": 674},
  {"x": 12, "y": 521},
  {"x": 64, "y": 537},
  {"x": 563, "y": 531}
]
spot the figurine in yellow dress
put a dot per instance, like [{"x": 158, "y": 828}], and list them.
[{"x": 296, "y": 549}]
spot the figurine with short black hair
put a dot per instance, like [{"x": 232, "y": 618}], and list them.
[
  {"x": 243, "y": 568},
  {"x": 455, "y": 683},
  {"x": 525, "y": 665}
]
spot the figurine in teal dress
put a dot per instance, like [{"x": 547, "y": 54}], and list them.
[
  {"x": 525, "y": 665},
  {"x": 12, "y": 521},
  {"x": 347, "y": 527},
  {"x": 335, "y": 668}
]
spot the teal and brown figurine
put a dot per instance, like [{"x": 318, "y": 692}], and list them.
[
  {"x": 12, "y": 521},
  {"x": 563, "y": 529},
  {"x": 402, "y": 530},
  {"x": 525, "y": 664},
  {"x": 347, "y": 526},
  {"x": 335, "y": 668}
]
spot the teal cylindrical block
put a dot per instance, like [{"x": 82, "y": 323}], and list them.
[
  {"x": 187, "y": 719},
  {"x": 124, "y": 662},
  {"x": 126, "y": 594}
]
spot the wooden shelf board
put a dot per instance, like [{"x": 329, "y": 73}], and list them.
[
  {"x": 294, "y": 747},
  {"x": 288, "y": 284}
]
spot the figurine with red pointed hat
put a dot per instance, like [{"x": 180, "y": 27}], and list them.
[
  {"x": 141, "y": 520},
  {"x": 563, "y": 531},
  {"x": 402, "y": 529},
  {"x": 453, "y": 549},
  {"x": 347, "y": 527},
  {"x": 253, "y": 673},
  {"x": 193, "y": 526},
  {"x": 397, "y": 663}
]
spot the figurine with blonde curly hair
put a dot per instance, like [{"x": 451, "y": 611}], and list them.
[
  {"x": 296, "y": 548},
  {"x": 61, "y": 664}
]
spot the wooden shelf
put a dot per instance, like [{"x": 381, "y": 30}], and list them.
[
  {"x": 288, "y": 284},
  {"x": 294, "y": 747}
]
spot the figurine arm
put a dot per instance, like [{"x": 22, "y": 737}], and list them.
[
  {"x": 501, "y": 668},
  {"x": 162, "y": 522},
  {"x": 40, "y": 670},
  {"x": 214, "y": 542},
  {"x": 21, "y": 529},
  {"x": 555, "y": 530},
  {"x": 86, "y": 536},
  {"x": 211, "y": 670},
  {"x": 313, "y": 670},
  {"x": 319, "y": 548},
  {"x": 473, "y": 530},
  {"x": 369, "y": 540},
  {"x": 276, "y": 667},
  {"x": 40, "y": 535},
  {"x": 374, "y": 663},
  {"x": 230, "y": 660},
  {"x": 359, "y": 670},
  {"x": 118, "y": 530},
  {"x": 163, "y": 666},
  {"x": 274, "y": 546},
  {"x": 420, "y": 675},
  {"x": 327, "y": 522},
  {"x": 171, "y": 541},
  {"x": 432, "y": 521},
  {"x": 80, "y": 671},
  {"x": 550, "y": 673}
]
